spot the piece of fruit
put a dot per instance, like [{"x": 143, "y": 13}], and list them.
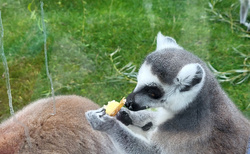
[{"x": 113, "y": 107}]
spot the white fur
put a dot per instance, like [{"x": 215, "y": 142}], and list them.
[
  {"x": 145, "y": 76},
  {"x": 187, "y": 73},
  {"x": 137, "y": 132},
  {"x": 163, "y": 115},
  {"x": 165, "y": 42},
  {"x": 159, "y": 116},
  {"x": 180, "y": 100}
]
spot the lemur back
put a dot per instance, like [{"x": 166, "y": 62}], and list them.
[{"x": 65, "y": 132}]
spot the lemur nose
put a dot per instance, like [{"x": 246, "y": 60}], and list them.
[{"x": 130, "y": 101}]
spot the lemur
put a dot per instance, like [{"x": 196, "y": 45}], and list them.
[
  {"x": 244, "y": 6},
  {"x": 176, "y": 107},
  {"x": 66, "y": 132}
]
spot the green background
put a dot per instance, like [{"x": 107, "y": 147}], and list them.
[{"x": 81, "y": 35}]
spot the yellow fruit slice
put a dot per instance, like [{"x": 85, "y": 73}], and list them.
[{"x": 113, "y": 107}]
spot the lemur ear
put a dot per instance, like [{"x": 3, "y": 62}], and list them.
[
  {"x": 165, "y": 42},
  {"x": 189, "y": 76}
]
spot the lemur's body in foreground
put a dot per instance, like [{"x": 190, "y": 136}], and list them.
[
  {"x": 66, "y": 132},
  {"x": 193, "y": 114}
]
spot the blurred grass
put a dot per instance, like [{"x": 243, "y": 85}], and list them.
[{"x": 82, "y": 33}]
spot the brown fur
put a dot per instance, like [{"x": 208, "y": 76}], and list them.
[{"x": 65, "y": 132}]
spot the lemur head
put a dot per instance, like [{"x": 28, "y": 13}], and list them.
[{"x": 170, "y": 77}]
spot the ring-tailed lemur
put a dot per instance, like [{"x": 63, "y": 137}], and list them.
[
  {"x": 244, "y": 6},
  {"x": 191, "y": 114},
  {"x": 65, "y": 132}
]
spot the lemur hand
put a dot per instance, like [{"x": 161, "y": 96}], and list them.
[
  {"x": 124, "y": 116},
  {"x": 99, "y": 120}
]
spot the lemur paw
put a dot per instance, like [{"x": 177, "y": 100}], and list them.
[
  {"x": 99, "y": 120},
  {"x": 123, "y": 116}
]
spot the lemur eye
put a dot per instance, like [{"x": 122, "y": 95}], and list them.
[
  {"x": 153, "y": 92},
  {"x": 152, "y": 95}
]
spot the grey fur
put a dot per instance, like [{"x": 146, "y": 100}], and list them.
[
  {"x": 244, "y": 6},
  {"x": 199, "y": 119},
  {"x": 166, "y": 63}
]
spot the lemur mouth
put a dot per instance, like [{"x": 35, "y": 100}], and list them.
[
  {"x": 144, "y": 107},
  {"x": 137, "y": 107}
]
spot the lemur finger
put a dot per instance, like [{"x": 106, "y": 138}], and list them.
[{"x": 124, "y": 117}]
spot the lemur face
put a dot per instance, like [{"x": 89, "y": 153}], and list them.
[
  {"x": 169, "y": 77},
  {"x": 148, "y": 92}
]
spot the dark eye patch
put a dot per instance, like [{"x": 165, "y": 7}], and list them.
[{"x": 153, "y": 91}]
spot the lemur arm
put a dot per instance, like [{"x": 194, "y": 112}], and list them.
[
  {"x": 129, "y": 142},
  {"x": 123, "y": 138}
]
